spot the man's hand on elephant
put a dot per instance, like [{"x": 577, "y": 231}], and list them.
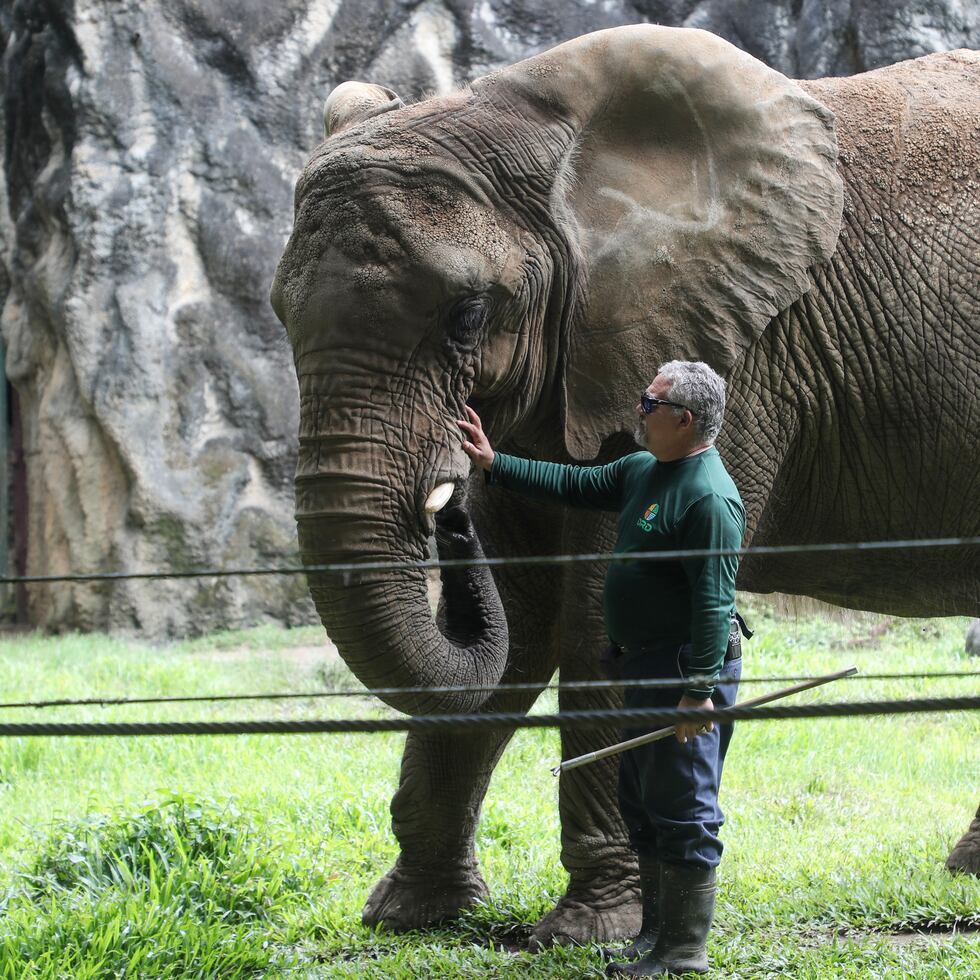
[
  {"x": 691, "y": 729},
  {"x": 476, "y": 445}
]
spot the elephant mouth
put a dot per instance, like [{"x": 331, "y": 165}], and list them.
[
  {"x": 446, "y": 493},
  {"x": 408, "y": 626},
  {"x": 458, "y": 611}
]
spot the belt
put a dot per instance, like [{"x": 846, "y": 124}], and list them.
[{"x": 736, "y": 631}]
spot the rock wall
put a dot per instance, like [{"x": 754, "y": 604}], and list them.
[{"x": 149, "y": 158}]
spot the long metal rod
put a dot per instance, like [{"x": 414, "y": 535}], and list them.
[{"x": 662, "y": 733}]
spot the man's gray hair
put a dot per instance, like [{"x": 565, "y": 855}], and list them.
[{"x": 694, "y": 384}]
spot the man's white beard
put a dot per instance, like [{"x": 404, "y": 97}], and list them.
[{"x": 640, "y": 435}]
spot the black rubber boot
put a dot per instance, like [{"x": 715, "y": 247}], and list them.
[
  {"x": 646, "y": 938},
  {"x": 687, "y": 906}
]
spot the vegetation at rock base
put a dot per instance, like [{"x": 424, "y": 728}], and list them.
[{"x": 252, "y": 856}]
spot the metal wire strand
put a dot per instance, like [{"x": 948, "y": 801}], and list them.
[
  {"x": 654, "y": 718},
  {"x": 381, "y": 692},
  {"x": 350, "y": 569}
]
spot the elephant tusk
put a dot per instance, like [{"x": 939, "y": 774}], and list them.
[{"x": 439, "y": 498}]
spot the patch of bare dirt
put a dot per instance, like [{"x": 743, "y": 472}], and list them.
[
  {"x": 936, "y": 934},
  {"x": 925, "y": 935},
  {"x": 900, "y": 937}
]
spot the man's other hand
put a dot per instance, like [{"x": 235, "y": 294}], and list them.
[
  {"x": 476, "y": 445},
  {"x": 691, "y": 729}
]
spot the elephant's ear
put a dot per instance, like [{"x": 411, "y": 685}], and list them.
[
  {"x": 698, "y": 187},
  {"x": 352, "y": 102}
]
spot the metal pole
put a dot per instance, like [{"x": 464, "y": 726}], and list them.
[{"x": 583, "y": 760}]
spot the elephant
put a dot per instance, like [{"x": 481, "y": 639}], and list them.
[{"x": 535, "y": 245}]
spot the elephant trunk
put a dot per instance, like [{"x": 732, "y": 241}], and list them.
[{"x": 381, "y": 620}]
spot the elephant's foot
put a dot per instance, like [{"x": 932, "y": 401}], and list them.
[
  {"x": 965, "y": 857},
  {"x": 407, "y": 899},
  {"x": 601, "y": 912}
]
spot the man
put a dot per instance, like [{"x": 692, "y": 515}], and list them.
[{"x": 665, "y": 619}]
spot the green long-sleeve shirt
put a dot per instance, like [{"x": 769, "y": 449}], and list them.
[{"x": 690, "y": 503}]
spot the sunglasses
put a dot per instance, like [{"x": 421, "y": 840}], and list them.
[{"x": 648, "y": 403}]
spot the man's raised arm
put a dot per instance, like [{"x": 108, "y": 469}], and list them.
[{"x": 599, "y": 487}]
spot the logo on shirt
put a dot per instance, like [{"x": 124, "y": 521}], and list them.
[{"x": 648, "y": 515}]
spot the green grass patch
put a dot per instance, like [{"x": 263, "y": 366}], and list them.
[
  {"x": 180, "y": 887},
  {"x": 253, "y": 856},
  {"x": 259, "y": 638}
]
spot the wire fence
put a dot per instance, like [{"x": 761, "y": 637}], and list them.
[
  {"x": 507, "y": 721},
  {"x": 485, "y": 720},
  {"x": 350, "y": 569},
  {"x": 694, "y": 681}
]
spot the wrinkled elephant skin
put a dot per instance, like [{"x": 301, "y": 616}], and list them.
[{"x": 536, "y": 245}]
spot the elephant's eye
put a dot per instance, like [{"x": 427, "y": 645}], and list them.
[{"x": 468, "y": 318}]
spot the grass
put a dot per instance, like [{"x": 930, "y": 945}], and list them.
[{"x": 252, "y": 856}]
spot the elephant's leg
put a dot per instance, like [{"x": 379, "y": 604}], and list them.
[
  {"x": 965, "y": 857},
  {"x": 434, "y": 817},
  {"x": 444, "y": 777},
  {"x": 602, "y": 900}
]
